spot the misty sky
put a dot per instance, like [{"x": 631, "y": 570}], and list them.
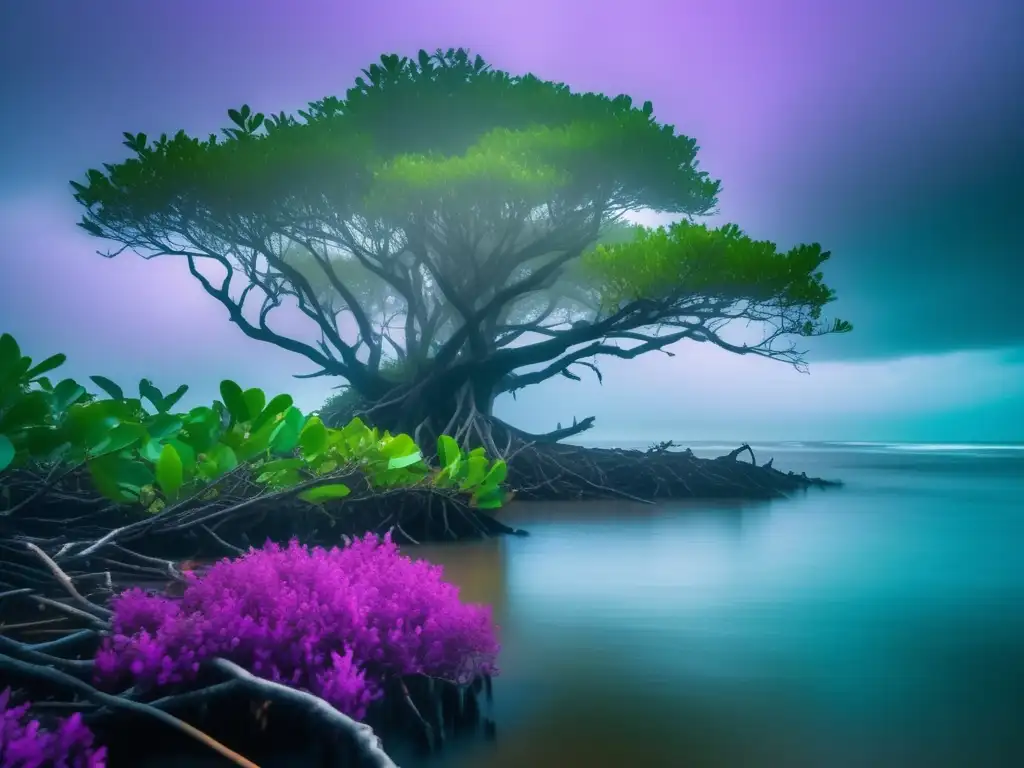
[{"x": 888, "y": 130}]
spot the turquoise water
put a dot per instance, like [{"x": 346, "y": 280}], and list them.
[{"x": 881, "y": 624}]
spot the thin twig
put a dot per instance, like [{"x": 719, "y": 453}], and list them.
[{"x": 65, "y": 581}]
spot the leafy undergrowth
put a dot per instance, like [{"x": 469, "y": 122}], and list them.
[
  {"x": 24, "y": 744},
  {"x": 338, "y": 623}
]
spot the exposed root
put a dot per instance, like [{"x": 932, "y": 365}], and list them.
[
  {"x": 558, "y": 471},
  {"x": 56, "y": 675}
]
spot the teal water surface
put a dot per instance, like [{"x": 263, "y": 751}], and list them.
[{"x": 877, "y": 625}]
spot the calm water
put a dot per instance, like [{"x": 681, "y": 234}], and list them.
[{"x": 877, "y": 625}]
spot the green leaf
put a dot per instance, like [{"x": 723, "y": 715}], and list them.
[
  {"x": 448, "y": 451},
  {"x": 324, "y": 493},
  {"x": 187, "y": 456},
  {"x": 10, "y": 354},
  {"x": 114, "y": 391},
  {"x": 286, "y": 478},
  {"x": 401, "y": 462},
  {"x": 475, "y": 468},
  {"x": 497, "y": 473},
  {"x": 234, "y": 400},
  {"x": 150, "y": 450},
  {"x": 49, "y": 364},
  {"x": 45, "y": 384},
  {"x": 278, "y": 465},
  {"x": 120, "y": 437},
  {"x": 6, "y": 452},
  {"x": 41, "y": 442},
  {"x": 255, "y": 399},
  {"x": 30, "y": 410},
  {"x": 151, "y": 393},
  {"x": 277, "y": 405},
  {"x": 163, "y": 425},
  {"x": 169, "y": 474},
  {"x": 118, "y": 478},
  {"x": 488, "y": 498},
  {"x": 257, "y": 442},
  {"x": 66, "y": 393},
  {"x": 399, "y": 445},
  {"x": 224, "y": 457},
  {"x": 172, "y": 399},
  {"x": 313, "y": 437},
  {"x": 86, "y": 424}
]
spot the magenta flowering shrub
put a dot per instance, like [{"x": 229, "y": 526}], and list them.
[
  {"x": 23, "y": 744},
  {"x": 335, "y": 622}
]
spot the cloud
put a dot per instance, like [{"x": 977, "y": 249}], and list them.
[{"x": 705, "y": 393}]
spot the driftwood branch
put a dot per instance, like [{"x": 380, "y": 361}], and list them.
[{"x": 317, "y": 709}]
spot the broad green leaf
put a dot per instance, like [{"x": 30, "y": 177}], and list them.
[
  {"x": 10, "y": 356},
  {"x": 172, "y": 399},
  {"x": 207, "y": 470},
  {"x": 277, "y": 405},
  {"x": 401, "y": 462},
  {"x": 133, "y": 475},
  {"x": 497, "y": 473},
  {"x": 114, "y": 391},
  {"x": 87, "y": 424},
  {"x": 278, "y": 465},
  {"x": 200, "y": 435},
  {"x": 324, "y": 493},
  {"x": 399, "y": 445},
  {"x": 49, "y": 364},
  {"x": 32, "y": 409},
  {"x": 313, "y": 437},
  {"x": 286, "y": 478},
  {"x": 187, "y": 456},
  {"x": 6, "y": 452},
  {"x": 448, "y": 451},
  {"x": 256, "y": 443},
  {"x": 224, "y": 457},
  {"x": 103, "y": 471},
  {"x": 120, "y": 437},
  {"x": 41, "y": 442},
  {"x": 13, "y": 380},
  {"x": 151, "y": 450},
  {"x": 169, "y": 474},
  {"x": 488, "y": 497},
  {"x": 45, "y": 384},
  {"x": 255, "y": 399},
  {"x": 66, "y": 393},
  {"x": 201, "y": 414},
  {"x": 325, "y": 467},
  {"x": 118, "y": 478},
  {"x": 163, "y": 425},
  {"x": 151, "y": 393},
  {"x": 475, "y": 468},
  {"x": 234, "y": 400}
]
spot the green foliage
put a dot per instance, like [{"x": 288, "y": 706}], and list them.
[
  {"x": 155, "y": 458},
  {"x": 724, "y": 264},
  {"x": 463, "y": 207}
]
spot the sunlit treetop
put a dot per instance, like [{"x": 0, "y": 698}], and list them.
[{"x": 455, "y": 212}]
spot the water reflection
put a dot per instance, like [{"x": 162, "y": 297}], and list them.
[{"x": 881, "y": 626}]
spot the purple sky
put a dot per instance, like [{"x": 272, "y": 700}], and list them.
[{"x": 889, "y": 131}]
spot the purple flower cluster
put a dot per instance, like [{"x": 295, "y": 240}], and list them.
[
  {"x": 23, "y": 744},
  {"x": 335, "y": 622}
]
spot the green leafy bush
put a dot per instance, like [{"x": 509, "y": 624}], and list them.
[{"x": 138, "y": 451}]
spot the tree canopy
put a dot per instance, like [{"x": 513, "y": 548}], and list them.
[{"x": 462, "y": 219}]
